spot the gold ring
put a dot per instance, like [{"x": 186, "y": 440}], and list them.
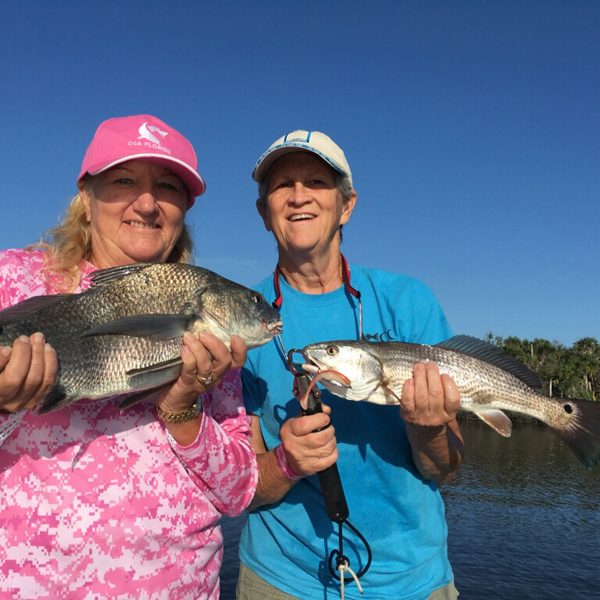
[{"x": 205, "y": 380}]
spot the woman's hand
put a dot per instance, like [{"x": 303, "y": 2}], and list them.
[
  {"x": 27, "y": 372},
  {"x": 429, "y": 405},
  {"x": 429, "y": 399},
  {"x": 307, "y": 450},
  {"x": 205, "y": 360}
]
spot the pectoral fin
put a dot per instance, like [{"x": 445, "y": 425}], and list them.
[
  {"x": 55, "y": 398},
  {"x": 156, "y": 375},
  {"x": 390, "y": 396},
  {"x": 136, "y": 397},
  {"x": 497, "y": 420},
  {"x": 156, "y": 327}
]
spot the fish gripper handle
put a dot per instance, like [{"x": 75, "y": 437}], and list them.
[
  {"x": 333, "y": 494},
  {"x": 329, "y": 479}
]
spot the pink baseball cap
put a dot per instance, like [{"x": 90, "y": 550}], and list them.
[{"x": 145, "y": 137}]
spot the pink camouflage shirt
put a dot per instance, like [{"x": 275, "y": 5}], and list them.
[{"x": 99, "y": 503}]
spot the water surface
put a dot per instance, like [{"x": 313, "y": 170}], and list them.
[{"x": 523, "y": 518}]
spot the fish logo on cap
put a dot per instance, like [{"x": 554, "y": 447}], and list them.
[{"x": 146, "y": 133}]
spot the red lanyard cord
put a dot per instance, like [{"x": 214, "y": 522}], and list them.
[{"x": 345, "y": 278}]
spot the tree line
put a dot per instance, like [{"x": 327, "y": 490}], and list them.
[{"x": 564, "y": 372}]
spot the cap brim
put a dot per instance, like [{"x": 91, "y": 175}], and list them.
[
  {"x": 272, "y": 154},
  {"x": 189, "y": 176}
]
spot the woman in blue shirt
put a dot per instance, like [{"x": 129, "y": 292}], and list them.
[{"x": 389, "y": 460}]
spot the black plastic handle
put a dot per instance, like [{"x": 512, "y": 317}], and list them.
[
  {"x": 333, "y": 494},
  {"x": 329, "y": 479}
]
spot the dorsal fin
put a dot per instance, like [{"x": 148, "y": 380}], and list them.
[
  {"x": 493, "y": 355},
  {"x": 106, "y": 276}
]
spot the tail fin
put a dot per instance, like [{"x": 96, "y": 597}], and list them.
[{"x": 583, "y": 436}]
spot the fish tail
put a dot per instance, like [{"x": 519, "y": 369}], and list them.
[{"x": 583, "y": 432}]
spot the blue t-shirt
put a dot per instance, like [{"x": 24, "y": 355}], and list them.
[{"x": 401, "y": 515}]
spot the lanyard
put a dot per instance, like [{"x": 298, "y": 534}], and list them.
[
  {"x": 347, "y": 285},
  {"x": 331, "y": 485}
]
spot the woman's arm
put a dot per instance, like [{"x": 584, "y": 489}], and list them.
[
  {"x": 429, "y": 404},
  {"x": 305, "y": 451}
]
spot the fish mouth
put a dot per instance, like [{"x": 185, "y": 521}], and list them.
[
  {"x": 264, "y": 333},
  {"x": 274, "y": 327},
  {"x": 311, "y": 368},
  {"x": 330, "y": 377}
]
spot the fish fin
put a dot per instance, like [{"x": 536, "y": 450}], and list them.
[
  {"x": 582, "y": 434},
  {"x": 493, "y": 355},
  {"x": 497, "y": 420},
  {"x": 155, "y": 375},
  {"x": 106, "y": 276},
  {"x": 156, "y": 327},
  {"x": 390, "y": 396},
  {"x": 26, "y": 307},
  {"x": 136, "y": 397},
  {"x": 56, "y": 398}
]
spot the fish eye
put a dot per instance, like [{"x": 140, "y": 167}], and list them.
[
  {"x": 331, "y": 350},
  {"x": 255, "y": 298}
]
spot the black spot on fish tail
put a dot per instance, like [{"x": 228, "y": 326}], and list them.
[{"x": 582, "y": 435}]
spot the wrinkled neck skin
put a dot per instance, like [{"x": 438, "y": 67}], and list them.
[{"x": 313, "y": 272}]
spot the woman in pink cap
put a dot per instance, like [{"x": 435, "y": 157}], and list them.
[{"x": 95, "y": 502}]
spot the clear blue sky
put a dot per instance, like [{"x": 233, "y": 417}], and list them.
[{"x": 472, "y": 128}]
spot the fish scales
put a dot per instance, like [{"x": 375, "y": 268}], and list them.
[
  {"x": 489, "y": 381},
  {"x": 124, "y": 333},
  {"x": 115, "y": 356},
  {"x": 481, "y": 384}
]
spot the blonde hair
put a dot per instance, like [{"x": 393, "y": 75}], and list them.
[{"x": 70, "y": 243}]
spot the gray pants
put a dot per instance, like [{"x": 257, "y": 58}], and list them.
[{"x": 252, "y": 587}]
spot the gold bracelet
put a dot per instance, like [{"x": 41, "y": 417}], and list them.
[{"x": 179, "y": 417}]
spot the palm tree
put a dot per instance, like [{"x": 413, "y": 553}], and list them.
[
  {"x": 566, "y": 372},
  {"x": 587, "y": 351}
]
